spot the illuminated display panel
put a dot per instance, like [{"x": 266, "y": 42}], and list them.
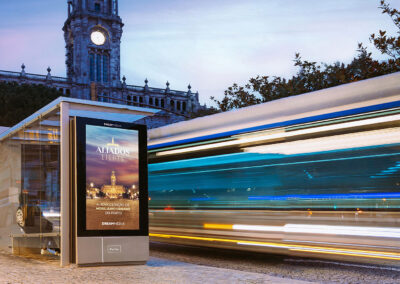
[{"x": 111, "y": 178}]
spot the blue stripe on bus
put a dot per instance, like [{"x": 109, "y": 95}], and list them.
[
  {"x": 281, "y": 124},
  {"x": 329, "y": 196}
]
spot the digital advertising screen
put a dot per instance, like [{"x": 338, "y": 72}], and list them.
[{"x": 112, "y": 178}]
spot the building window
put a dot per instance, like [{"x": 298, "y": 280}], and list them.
[
  {"x": 162, "y": 103},
  {"x": 172, "y": 104},
  {"x": 104, "y": 98},
  {"x": 67, "y": 92},
  {"x": 129, "y": 100},
  {"x": 178, "y": 105},
  {"x": 151, "y": 101},
  {"x": 69, "y": 8},
  {"x": 156, "y": 102},
  {"x": 184, "y": 106},
  {"x": 98, "y": 68},
  {"x": 140, "y": 99},
  {"x": 105, "y": 68},
  {"x": 135, "y": 99},
  {"x": 115, "y": 12},
  {"x": 97, "y": 7},
  {"x": 109, "y": 7},
  {"x": 91, "y": 67}
]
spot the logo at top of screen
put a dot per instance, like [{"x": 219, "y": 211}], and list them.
[
  {"x": 112, "y": 124},
  {"x": 113, "y": 151}
]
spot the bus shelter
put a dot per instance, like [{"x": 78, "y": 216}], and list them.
[{"x": 37, "y": 169}]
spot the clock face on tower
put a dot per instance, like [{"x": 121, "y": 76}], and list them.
[{"x": 98, "y": 38}]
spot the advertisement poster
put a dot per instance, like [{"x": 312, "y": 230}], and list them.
[{"x": 112, "y": 178}]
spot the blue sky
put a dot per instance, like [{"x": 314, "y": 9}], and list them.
[{"x": 208, "y": 43}]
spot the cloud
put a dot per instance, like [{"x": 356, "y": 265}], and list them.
[{"x": 208, "y": 43}]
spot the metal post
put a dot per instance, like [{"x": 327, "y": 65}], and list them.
[{"x": 65, "y": 180}]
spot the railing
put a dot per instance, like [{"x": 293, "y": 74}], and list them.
[
  {"x": 108, "y": 99},
  {"x": 31, "y": 76},
  {"x": 10, "y": 73},
  {"x": 65, "y": 80},
  {"x": 156, "y": 90}
]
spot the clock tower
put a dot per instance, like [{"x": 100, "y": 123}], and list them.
[{"x": 92, "y": 36}]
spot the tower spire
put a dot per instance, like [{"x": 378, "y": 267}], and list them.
[{"x": 92, "y": 35}]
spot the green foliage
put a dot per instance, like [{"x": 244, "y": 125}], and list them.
[
  {"x": 19, "y": 101},
  {"x": 389, "y": 45},
  {"x": 204, "y": 112},
  {"x": 312, "y": 76}
]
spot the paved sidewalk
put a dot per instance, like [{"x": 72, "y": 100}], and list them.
[{"x": 15, "y": 269}]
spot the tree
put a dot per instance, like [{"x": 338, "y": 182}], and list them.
[
  {"x": 312, "y": 76},
  {"x": 19, "y": 101},
  {"x": 388, "y": 45},
  {"x": 204, "y": 111}
]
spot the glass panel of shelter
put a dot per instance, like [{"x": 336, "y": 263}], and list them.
[{"x": 30, "y": 190}]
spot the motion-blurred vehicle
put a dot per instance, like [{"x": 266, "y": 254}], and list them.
[{"x": 312, "y": 175}]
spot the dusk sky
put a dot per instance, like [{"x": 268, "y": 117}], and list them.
[{"x": 207, "y": 43}]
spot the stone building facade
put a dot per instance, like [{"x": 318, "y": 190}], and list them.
[{"x": 92, "y": 34}]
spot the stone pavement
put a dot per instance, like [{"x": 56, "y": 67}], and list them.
[{"x": 14, "y": 269}]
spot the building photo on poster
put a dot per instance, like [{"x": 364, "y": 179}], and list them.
[{"x": 112, "y": 178}]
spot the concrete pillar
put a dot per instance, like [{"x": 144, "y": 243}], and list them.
[
  {"x": 64, "y": 185},
  {"x": 188, "y": 105},
  {"x": 167, "y": 103}
]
